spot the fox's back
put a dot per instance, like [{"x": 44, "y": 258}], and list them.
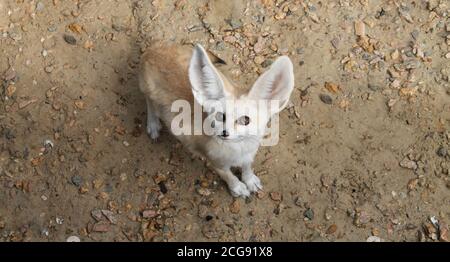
[{"x": 164, "y": 73}]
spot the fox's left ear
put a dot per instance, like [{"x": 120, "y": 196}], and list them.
[
  {"x": 275, "y": 84},
  {"x": 207, "y": 85}
]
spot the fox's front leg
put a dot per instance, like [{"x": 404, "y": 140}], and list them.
[
  {"x": 237, "y": 188},
  {"x": 250, "y": 179},
  {"x": 153, "y": 123}
]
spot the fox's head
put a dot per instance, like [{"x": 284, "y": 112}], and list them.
[{"x": 233, "y": 117}]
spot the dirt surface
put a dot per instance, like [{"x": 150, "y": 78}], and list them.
[{"x": 364, "y": 148}]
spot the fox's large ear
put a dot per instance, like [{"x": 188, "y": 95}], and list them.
[
  {"x": 205, "y": 80},
  {"x": 275, "y": 84}
]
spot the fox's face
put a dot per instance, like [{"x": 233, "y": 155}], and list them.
[{"x": 232, "y": 118}]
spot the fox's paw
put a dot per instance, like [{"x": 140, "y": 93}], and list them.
[
  {"x": 253, "y": 183},
  {"x": 153, "y": 129},
  {"x": 239, "y": 190}
]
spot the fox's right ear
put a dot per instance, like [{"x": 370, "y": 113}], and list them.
[
  {"x": 275, "y": 84},
  {"x": 205, "y": 80}
]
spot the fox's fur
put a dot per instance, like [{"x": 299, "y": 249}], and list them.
[{"x": 171, "y": 72}]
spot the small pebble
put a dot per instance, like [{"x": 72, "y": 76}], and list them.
[
  {"x": 73, "y": 239},
  {"x": 203, "y": 191},
  {"x": 309, "y": 214},
  {"x": 442, "y": 151},
  {"x": 235, "y": 207},
  {"x": 406, "y": 163},
  {"x": 71, "y": 40},
  {"x": 49, "y": 69},
  {"x": 332, "y": 229},
  {"x": 77, "y": 180},
  {"x": 326, "y": 99},
  {"x": 276, "y": 196},
  {"x": 373, "y": 239},
  {"x": 149, "y": 213}
]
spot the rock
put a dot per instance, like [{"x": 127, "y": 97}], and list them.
[
  {"x": 203, "y": 191},
  {"x": 73, "y": 239},
  {"x": 405, "y": 14},
  {"x": 97, "y": 214},
  {"x": 76, "y": 28},
  {"x": 39, "y": 6},
  {"x": 409, "y": 164},
  {"x": 119, "y": 23},
  {"x": 309, "y": 214},
  {"x": 332, "y": 87},
  {"x": 335, "y": 42},
  {"x": 259, "y": 60},
  {"x": 412, "y": 184},
  {"x": 326, "y": 99},
  {"x": 70, "y": 39},
  {"x": 276, "y": 196},
  {"x": 10, "y": 90},
  {"x": 48, "y": 144},
  {"x": 430, "y": 230},
  {"x": 210, "y": 230},
  {"x": 434, "y": 221},
  {"x": 48, "y": 69},
  {"x": 259, "y": 46},
  {"x": 361, "y": 219},
  {"x": 204, "y": 210},
  {"x": 101, "y": 227},
  {"x": 10, "y": 74},
  {"x": 59, "y": 220},
  {"x": 447, "y": 55},
  {"x": 234, "y": 23},
  {"x": 180, "y": 4},
  {"x": 391, "y": 102},
  {"x": 88, "y": 44},
  {"x": 408, "y": 91},
  {"x": 76, "y": 180},
  {"x": 442, "y": 151},
  {"x": 97, "y": 183},
  {"x": 415, "y": 34},
  {"x": 412, "y": 64},
  {"x": 52, "y": 28},
  {"x": 374, "y": 239},
  {"x": 79, "y": 104},
  {"x": 395, "y": 55},
  {"x": 83, "y": 190},
  {"x": 298, "y": 201},
  {"x": 26, "y": 103},
  {"x": 235, "y": 207},
  {"x": 110, "y": 216},
  {"x": 314, "y": 17},
  {"x": 443, "y": 232},
  {"x": 229, "y": 39},
  {"x": 331, "y": 229},
  {"x": 396, "y": 83},
  {"x": 280, "y": 15},
  {"x": 360, "y": 28},
  {"x": 260, "y": 194},
  {"x": 149, "y": 214}
]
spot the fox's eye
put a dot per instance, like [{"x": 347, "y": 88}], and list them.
[
  {"x": 243, "y": 120},
  {"x": 220, "y": 117},
  {"x": 213, "y": 124}
]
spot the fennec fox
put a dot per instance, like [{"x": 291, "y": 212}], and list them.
[{"x": 172, "y": 73}]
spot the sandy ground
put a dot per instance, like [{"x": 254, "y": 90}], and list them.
[{"x": 364, "y": 148}]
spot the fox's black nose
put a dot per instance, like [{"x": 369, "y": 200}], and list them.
[{"x": 225, "y": 133}]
